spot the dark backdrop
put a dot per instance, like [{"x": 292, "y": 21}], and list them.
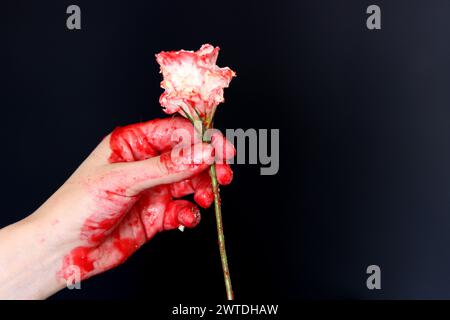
[{"x": 364, "y": 119}]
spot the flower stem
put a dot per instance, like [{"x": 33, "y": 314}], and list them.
[
  {"x": 217, "y": 205},
  {"x": 220, "y": 235}
]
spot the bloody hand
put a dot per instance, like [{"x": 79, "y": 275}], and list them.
[{"x": 131, "y": 185}]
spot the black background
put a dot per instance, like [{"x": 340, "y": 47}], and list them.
[{"x": 364, "y": 119}]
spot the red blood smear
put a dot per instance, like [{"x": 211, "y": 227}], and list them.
[
  {"x": 144, "y": 140},
  {"x": 126, "y": 247},
  {"x": 78, "y": 257},
  {"x": 82, "y": 257}
]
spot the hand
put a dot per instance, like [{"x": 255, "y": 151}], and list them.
[{"x": 122, "y": 195}]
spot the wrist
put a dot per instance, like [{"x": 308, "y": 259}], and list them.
[{"x": 29, "y": 261}]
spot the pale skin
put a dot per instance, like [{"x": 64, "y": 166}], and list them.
[{"x": 105, "y": 211}]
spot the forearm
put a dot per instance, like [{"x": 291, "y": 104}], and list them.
[{"x": 28, "y": 261}]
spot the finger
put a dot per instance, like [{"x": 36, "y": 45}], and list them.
[
  {"x": 200, "y": 185},
  {"x": 181, "y": 213},
  {"x": 224, "y": 148},
  {"x": 182, "y": 188},
  {"x": 203, "y": 193},
  {"x": 143, "y": 140},
  {"x": 131, "y": 178},
  {"x": 224, "y": 174},
  {"x": 151, "y": 207}
]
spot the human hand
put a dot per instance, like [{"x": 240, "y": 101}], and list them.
[{"x": 124, "y": 193}]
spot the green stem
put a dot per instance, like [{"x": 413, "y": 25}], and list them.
[
  {"x": 217, "y": 207},
  {"x": 219, "y": 223},
  {"x": 221, "y": 237}
]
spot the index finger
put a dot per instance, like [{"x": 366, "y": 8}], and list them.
[{"x": 148, "y": 139}]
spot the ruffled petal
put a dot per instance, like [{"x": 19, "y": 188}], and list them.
[{"x": 192, "y": 81}]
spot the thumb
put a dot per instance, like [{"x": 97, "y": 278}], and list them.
[{"x": 131, "y": 178}]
